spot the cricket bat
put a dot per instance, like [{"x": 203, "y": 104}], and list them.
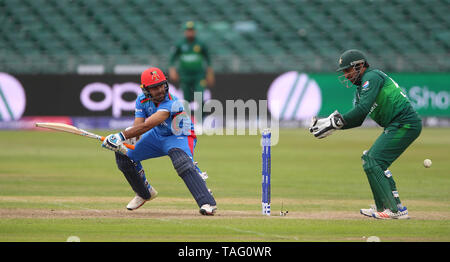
[{"x": 75, "y": 130}]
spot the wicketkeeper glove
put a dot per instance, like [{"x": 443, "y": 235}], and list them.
[
  {"x": 115, "y": 142},
  {"x": 324, "y": 127}
]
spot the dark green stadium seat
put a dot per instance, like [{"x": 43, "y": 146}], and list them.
[{"x": 244, "y": 34}]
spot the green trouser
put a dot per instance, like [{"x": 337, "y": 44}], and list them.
[
  {"x": 192, "y": 82},
  {"x": 386, "y": 149}
]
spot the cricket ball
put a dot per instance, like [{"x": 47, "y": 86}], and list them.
[{"x": 427, "y": 163}]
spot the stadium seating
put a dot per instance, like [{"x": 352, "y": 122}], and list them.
[{"x": 55, "y": 36}]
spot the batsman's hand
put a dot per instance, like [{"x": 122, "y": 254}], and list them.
[
  {"x": 115, "y": 142},
  {"x": 324, "y": 127},
  {"x": 133, "y": 140}
]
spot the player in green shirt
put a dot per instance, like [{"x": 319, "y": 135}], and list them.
[
  {"x": 380, "y": 97},
  {"x": 192, "y": 58}
]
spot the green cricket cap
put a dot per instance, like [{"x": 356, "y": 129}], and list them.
[
  {"x": 350, "y": 58},
  {"x": 189, "y": 25}
]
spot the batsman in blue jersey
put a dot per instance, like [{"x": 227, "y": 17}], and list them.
[{"x": 164, "y": 129}]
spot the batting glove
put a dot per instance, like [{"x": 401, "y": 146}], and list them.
[
  {"x": 324, "y": 127},
  {"x": 115, "y": 142}
]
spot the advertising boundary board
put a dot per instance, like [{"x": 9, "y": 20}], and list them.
[{"x": 291, "y": 96}]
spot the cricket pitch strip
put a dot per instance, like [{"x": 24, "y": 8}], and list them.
[{"x": 177, "y": 208}]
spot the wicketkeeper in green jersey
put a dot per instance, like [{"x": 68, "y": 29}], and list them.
[
  {"x": 191, "y": 56},
  {"x": 380, "y": 97}
]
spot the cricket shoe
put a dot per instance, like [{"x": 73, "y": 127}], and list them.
[
  {"x": 208, "y": 210},
  {"x": 138, "y": 201},
  {"x": 368, "y": 212},
  {"x": 388, "y": 214}
]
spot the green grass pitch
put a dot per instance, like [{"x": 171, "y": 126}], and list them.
[{"x": 56, "y": 185}]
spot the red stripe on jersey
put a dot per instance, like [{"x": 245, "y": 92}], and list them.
[
  {"x": 145, "y": 100},
  {"x": 175, "y": 115},
  {"x": 191, "y": 139}
]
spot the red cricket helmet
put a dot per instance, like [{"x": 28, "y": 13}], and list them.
[{"x": 153, "y": 77}]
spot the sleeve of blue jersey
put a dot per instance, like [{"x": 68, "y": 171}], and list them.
[
  {"x": 171, "y": 106},
  {"x": 140, "y": 110}
]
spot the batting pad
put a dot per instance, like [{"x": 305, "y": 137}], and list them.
[
  {"x": 186, "y": 170},
  {"x": 129, "y": 170}
]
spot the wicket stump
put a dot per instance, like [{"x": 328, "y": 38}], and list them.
[{"x": 266, "y": 160}]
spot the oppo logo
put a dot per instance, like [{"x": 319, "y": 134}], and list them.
[{"x": 113, "y": 97}]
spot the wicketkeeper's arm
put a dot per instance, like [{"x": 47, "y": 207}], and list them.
[
  {"x": 354, "y": 118},
  {"x": 358, "y": 114}
]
